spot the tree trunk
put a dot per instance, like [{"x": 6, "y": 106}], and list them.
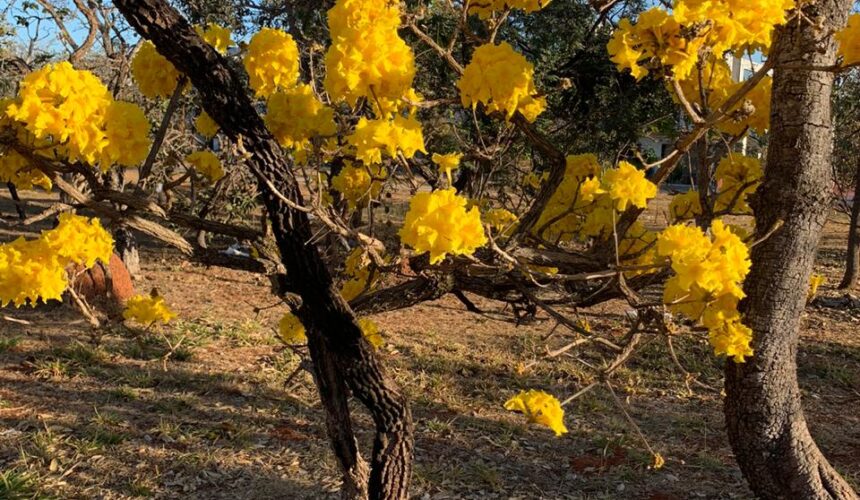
[
  {"x": 766, "y": 425},
  {"x": 852, "y": 258},
  {"x": 342, "y": 358}
]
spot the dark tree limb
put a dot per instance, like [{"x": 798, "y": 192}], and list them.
[{"x": 340, "y": 354}]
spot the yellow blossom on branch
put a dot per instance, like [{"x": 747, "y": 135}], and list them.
[
  {"x": 291, "y": 330},
  {"x": 849, "y": 41},
  {"x": 205, "y": 125},
  {"x": 207, "y": 164},
  {"x": 438, "y": 223},
  {"x": 502, "y": 80},
  {"x": 154, "y": 74},
  {"x": 295, "y": 116},
  {"x": 272, "y": 61},
  {"x": 447, "y": 163},
  {"x": 359, "y": 184},
  {"x": 217, "y": 36},
  {"x": 485, "y": 8},
  {"x": 373, "y": 137},
  {"x": 627, "y": 185}
]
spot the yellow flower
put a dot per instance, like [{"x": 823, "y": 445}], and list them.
[
  {"x": 207, "y": 164},
  {"x": 272, "y": 61},
  {"x": 734, "y": 24},
  {"x": 79, "y": 239},
  {"x": 373, "y": 137},
  {"x": 501, "y": 220},
  {"x": 370, "y": 331},
  {"x": 815, "y": 281},
  {"x": 148, "y": 309},
  {"x": 447, "y": 163},
  {"x": 685, "y": 206},
  {"x": 205, "y": 125},
  {"x": 367, "y": 58},
  {"x": 485, "y": 8},
  {"x": 438, "y": 223},
  {"x": 359, "y": 184},
  {"x": 127, "y": 134},
  {"x": 16, "y": 169},
  {"x": 627, "y": 185},
  {"x": 540, "y": 408},
  {"x": 29, "y": 272},
  {"x": 849, "y": 41},
  {"x": 502, "y": 80},
  {"x": 659, "y": 461},
  {"x": 216, "y": 36},
  {"x": 291, "y": 330},
  {"x": 295, "y": 116},
  {"x": 734, "y": 174},
  {"x": 154, "y": 74}
]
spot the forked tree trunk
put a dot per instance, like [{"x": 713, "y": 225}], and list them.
[
  {"x": 852, "y": 258},
  {"x": 342, "y": 359},
  {"x": 766, "y": 425}
]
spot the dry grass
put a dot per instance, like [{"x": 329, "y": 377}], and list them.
[{"x": 86, "y": 420}]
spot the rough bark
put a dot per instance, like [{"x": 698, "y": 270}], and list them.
[
  {"x": 766, "y": 425},
  {"x": 852, "y": 258},
  {"x": 341, "y": 357}
]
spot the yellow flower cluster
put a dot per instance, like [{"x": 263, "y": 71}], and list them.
[
  {"x": 734, "y": 24},
  {"x": 205, "y": 125},
  {"x": 370, "y": 332},
  {"x": 485, "y": 8},
  {"x": 438, "y": 222},
  {"x": 295, "y": 116},
  {"x": 207, "y": 164},
  {"x": 358, "y": 184},
  {"x": 154, "y": 74},
  {"x": 72, "y": 114},
  {"x": 373, "y": 137},
  {"x": 16, "y": 169},
  {"x": 676, "y": 40},
  {"x": 217, "y": 36},
  {"x": 361, "y": 278},
  {"x": 367, "y": 57},
  {"x": 685, "y": 206},
  {"x": 500, "y": 220},
  {"x": 291, "y": 330},
  {"x": 539, "y": 408},
  {"x": 501, "y": 79},
  {"x": 706, "y": 286},
  {"x": 147, "y": 310},
  {"x": 849, "y": 41},
  {"x": 737, "y": 177},
  {"x": 655, "y": 38},
  {"x": 753, "y": 111},
  {"x": 272, "y": 61},
  {"x": 586, "y": 204},
  {"x": 447, "y": 163},
  {"x": 31, "y": 270}
]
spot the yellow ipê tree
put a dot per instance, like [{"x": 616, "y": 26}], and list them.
[{"x": 578, "y": 206}]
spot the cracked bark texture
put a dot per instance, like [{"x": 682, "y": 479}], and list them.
[
  {"x": 766, "y": 425},
  {"x": 343, "y": 361}
]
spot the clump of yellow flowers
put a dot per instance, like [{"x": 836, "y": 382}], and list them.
[
  {"x": 154, "y": 74},
  {"x": 272, "y": 61},
  {"x": 676, "y": 40},
  {"x": 207, "y": 164},
  {"x": 148, "y": 309},
  {"x": 502, "y": 80},
  {"x": 217, "y": 36},
  {"x": 296, "y": 115},
  {"x": 33, "y": 270},
  {"x": 737, "y": 177},
  {"x": 358, "y": 184},
  {"x": 438, "y": 223},
  {"x": 361, "y": 277},
  {"x": 587, "y": 203},
  {"x": 540, "y": 408},
  {"x": 205, "y": 125},
  {"x": 367, "y": 57},
  {"x": 706, "y": 286},
  {"x": 849, "y": 41},
  {"x": 447, "y": 163},
  {"x": 73, "y": 111},
  {"x": 373, "y": 137},
  {"x": 485, "y": 8}
]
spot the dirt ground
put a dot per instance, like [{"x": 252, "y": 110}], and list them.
[{"x": 102, "y": 416}]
